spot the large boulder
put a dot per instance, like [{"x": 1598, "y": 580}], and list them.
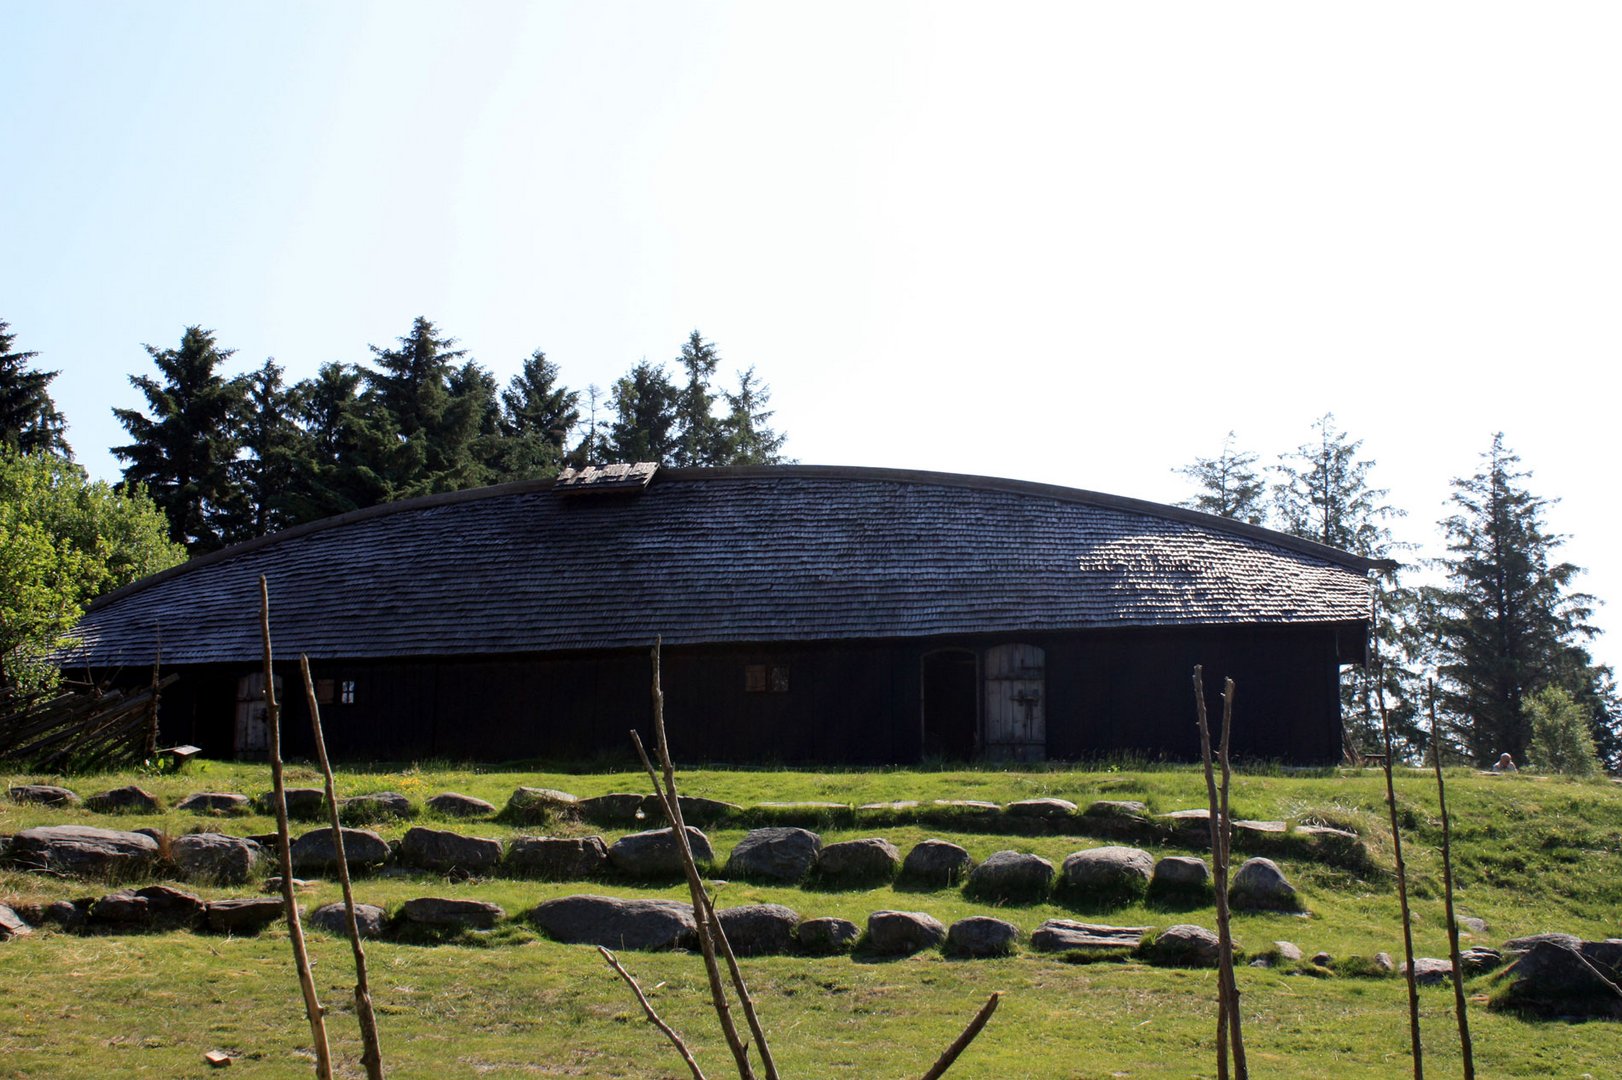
[
  {"x": 981, "y": 936},
  {"x": 848, "y": 863},
  {"x": 443, "y": 851},
  {"x": 1065, "y": 935},
  {"x": 1261, "y": 886},
  {"x": 155, "y": 907},
  {"x": 315, "y": 852},
  {"x": 901, "y": 933},
  {"x": 452, "y": 804},
  {"x": 44, "y": 795},
  {"x": 617, "y": 923},
  {"x": 619, "y": 808},
  {"x": 557, "y": 858},
  {"x": 84, "y": 851},
  {"x": 657, "y": 854},
  {"x": 826, "y": 936},
  {"x": 376, "y": 806},
  {"x": 1180, "y": 877},
  {"x": 369, "y": 919},
  {"x": 777, "y": 854},
  {"x": 1118, "y": 819},
  {"x": 534, "y": 804},
  {"x": 697, "y": 810},
  {"x": 1041, "y": 809},
  {"x": 247, "y": 915},
  {"x": 303, "y": 803},
  {"x": 1011, "y": 875},
  {"x": 124, "y": 800},
  {"x": 759, "y": 929},
  {"x": 1113, "y": 874},
  {"x": 936, "y": 863},
  {"x": 1184, "y": 946},
  {"x": 216, "y": 802},
  {"x": 1430, "y": 970},
  {"x": 12, "y": 924},
  {"x": 445, "y": 913},
  {"x": 1553, "y": 980},
  {"x": 215, "y": 857},
  {"x": 1605, "y": 955}
]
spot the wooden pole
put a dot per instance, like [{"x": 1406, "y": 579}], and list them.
[
  {"x": 1227, "y": 995},
  {"x": 1402, "y": 897},
  {"x": 295, "y": 931},
  {"x": 1459, "y": 1000},
  {"x": 1241, "y": 1066},
  {"x": 372, "y": 1057}
]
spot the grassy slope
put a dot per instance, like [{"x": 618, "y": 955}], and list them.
[{"x": 1533, "y": 854}]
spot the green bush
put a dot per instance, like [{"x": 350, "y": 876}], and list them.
[{"x": 1561, "y": 739}]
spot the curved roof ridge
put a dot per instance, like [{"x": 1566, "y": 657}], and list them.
[{"x": 882, "y": 474}]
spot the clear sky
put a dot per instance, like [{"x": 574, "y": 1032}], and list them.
[{"x": 1066, "y": 242}]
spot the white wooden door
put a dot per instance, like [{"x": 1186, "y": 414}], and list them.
[
  {"x": 1016, "y": 725},
  {"x": 253, "y": 725}
]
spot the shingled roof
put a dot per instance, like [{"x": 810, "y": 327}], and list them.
[{"x": 757, "y": 554}]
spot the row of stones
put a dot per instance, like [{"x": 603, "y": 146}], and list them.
[
  {"x": 784, "y": 855},
  {"x": 1110, "y": 818}
]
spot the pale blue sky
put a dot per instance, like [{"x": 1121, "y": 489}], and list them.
[{"x": 1064, "y": 242}]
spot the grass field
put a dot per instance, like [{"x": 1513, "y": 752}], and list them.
[{"x": 1532, "y": 854}]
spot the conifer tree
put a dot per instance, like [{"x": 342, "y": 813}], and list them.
[
  {"x": 643, "y": 424},
  {"x": 29, "y": 421},
  {"x": 537, "y": 415},
  {"x": 266, "y": 480},
  {"x": 438, "y": 409},
  {"x": 749, "y": 437},
  {"x": 1229, "y": 485},
  {"x": 700, "y": 437},
  {"x": 182, "y": 453},
  {"x": 342, "y": 445},
  {"x": 1510, "y": 623}
]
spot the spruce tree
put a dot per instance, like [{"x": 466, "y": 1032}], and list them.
[
  {"x": 1229, "y": 485},
  {"x": 343, "y": 445},
  {"x": 700, "y": 436},
  {"x": 1510, "y": 623},
  {"x": 277, "y": 460},
  {"x": 437, "y": 407},
  {"x": 29, "y": 421},
  {"x": 183, "y": 452},
  {"x": 644, "y": 416},
  {"x": 748, "y": 435},
  {"x": 537, "y": 415}
]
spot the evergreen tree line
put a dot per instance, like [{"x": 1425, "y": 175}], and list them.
[
  {"x": 1496, "y": 652},
  {"x": 228, "y": 458}
]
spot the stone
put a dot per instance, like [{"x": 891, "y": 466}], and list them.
[
  {"x": 556, "y": 858},
  {"x": 1063, "y": 935},
  {"x": 533, "y": 804},
  {"x": 1289, "y": 950},
  {"x": 936, "y": 863},
  {"x": 1261, "y": 886},
  {"x": 617, "y": 923},
  {"x": 1113, "y": 874},
  {"x": 1605, "y": 955},
  {"x": 971, "y": 808},
  {"x": 1472, "y": 925},
  {"x": 315, "y": 852},
  {"x": 901, "y": 933},
  {"x": 697, "y": 810},
  {"x": 775, "y": 854},
  {"x": 619, "y": 808},
  {"x": 1184, "y": 946},
  {"x": 303, "y": 803},
  {"x": 125, "y": 800},
  {"x": 655, "y": 853},
  {"x": 1180, "y": 876},
  {"x": 858, "y": 862},
  {"x": 827, "y": 936},
  {"x": 376, "y": 806},
  {"x": 897, "y": 804},
  {"x": 1430, "y": 970},
  {"x": 215, "y": 857},
  {"x": 119, "y": 910},
  {"x": 65, "y": 914},
  {"x": 759, "y": 929},
  {"x": 44, "y": 795},
  {"x": 981, "y": 936},
  {"x": 452, "y": 804},
  {"x": 445, "y": 913},
  {"x": 1011, "y": 875},
  {"x": 84, "y": 851},
  {"x": 1383, "y": 962},
  {"x": 1041, "y": 808},
  {"x": 369, "y": 919},
  {"x": 216, "y": 802},
  {"x": 1479, "y": 961},
  {"x": 247, "y": 915},
  {"x": 1322, "y": 959},
  {"x": 156, "y": 907},
  {"x": 12, "y": 924},
  {"x": 1118, "y": 819},
  {"x": 1553, "y": 980},
  {"x": 1524, "y": 944},
  {"x": 444, "y": 851}
]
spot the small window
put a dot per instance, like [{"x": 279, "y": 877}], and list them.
[
  {"x": 764, "y": 678},
  {"x": 779, "y": 678},
  {"x": 348, "y": 692}
]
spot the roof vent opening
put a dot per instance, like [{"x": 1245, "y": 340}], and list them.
[{"x": 618, "y": 479}]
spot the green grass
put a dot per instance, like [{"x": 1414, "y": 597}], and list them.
[{"x": 1532, "y": 854}]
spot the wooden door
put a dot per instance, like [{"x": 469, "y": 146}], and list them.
[
  {"x": 252, "y": 738},
  {"x": 1015, "y": 721}
]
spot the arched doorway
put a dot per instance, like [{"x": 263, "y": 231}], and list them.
[{"x": 951, "y": 704}]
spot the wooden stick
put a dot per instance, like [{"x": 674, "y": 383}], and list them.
[
  {"x": 372, "y": 1058},
  {"x": 961, "y": 1043},
  {"x": 301, "y": 959},
  {"x": 1402, "y": 898},
  {"x": 707, "y": 928},
  {"x": 653, "y": 1017},
  {"x": 1459, "y": 1000},
  {"x": 1241, "y": 1067},
  {"x": 1219, "y": 872}
]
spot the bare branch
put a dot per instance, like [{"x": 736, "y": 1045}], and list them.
[
  {"x": 967, "y": 1036},
  {"x": 653, "y": 1017}
]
